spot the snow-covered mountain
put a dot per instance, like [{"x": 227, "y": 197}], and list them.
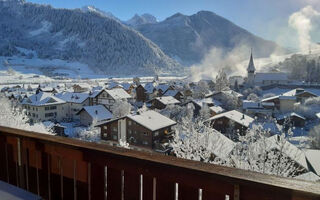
[
  {"x": 98, "y": 11},
  {"x": 86, "y": 36},
  {"x": 137, "y": 20},
  {"x": 189, "y": 38}
]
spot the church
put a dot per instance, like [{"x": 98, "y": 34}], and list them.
[{"x": 264, "y": 78}]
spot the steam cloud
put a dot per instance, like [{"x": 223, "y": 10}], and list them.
[{"x": 302, "y": 22}]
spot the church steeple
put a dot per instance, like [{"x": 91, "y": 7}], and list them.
[{"x": 251, "y": 68}]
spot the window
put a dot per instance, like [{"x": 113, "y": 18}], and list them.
[
  {"x": 130, "y": 131},
  {"x": 129, "y": 123},
  {"x": 220, "y": 122},
  {"x": 49, "y": 114},
  {"x": 145, "y": 133},
  {"x": 156, "y": 133},
  {"x": 105, "y": 127},
  {"x": 115, "y": 137},
  {"x": 105, "y": 135},
  {"x": 115, "y": 128},
  {"x": 145, "y": 142},
  {"x": 46, "y": 108}
]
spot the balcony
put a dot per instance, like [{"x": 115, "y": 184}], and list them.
[{"x": 63, "y": 168}]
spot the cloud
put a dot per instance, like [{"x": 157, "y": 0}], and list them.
[{"x": 301, "y": 21}]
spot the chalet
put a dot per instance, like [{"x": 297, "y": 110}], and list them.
[
  {"x": 90, "y": 114},
  {"x": 75, "y": 102},
  {"x": 145, "y": 92},
  {"x": 81, "y": 87},
  {"x": 162, "y": 102},
  {"x": 300, "y": 93},
  {"x": 162, "y": 88},
  {"x": 232, "y": 120},
  {"x": 276, "y": 144},
  {"x": 174, "y": 93},
  {"x": 44, "y": 107},
  {"x": 313, "y": 156},
  {"x": 282, "y": 104},
  {"x": 128, "y": 87},
  {"x": 109, "y": 97},
  {"x": 258, "y": 108},
  {"x": 213, "y": 105},
  {"x": 141, "y": 95},
  {"x": 293, "y": 118},
  {"x": 148, "y": 129}
]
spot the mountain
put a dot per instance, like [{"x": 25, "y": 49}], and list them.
[
  {"x": 89, "y": 37},
  {"x": 137, "y": 20},
  {"x": 189, "y": 38},
  {"x": 100, "y": 12}
]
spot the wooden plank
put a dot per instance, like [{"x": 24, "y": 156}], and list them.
[{"x": 131, "y": 186}]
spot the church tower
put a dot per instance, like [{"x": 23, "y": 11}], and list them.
[{"x": 251, "y": 71}]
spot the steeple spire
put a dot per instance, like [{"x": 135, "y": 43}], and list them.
[{"x": 251, "y": 68}]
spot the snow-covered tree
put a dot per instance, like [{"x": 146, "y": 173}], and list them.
[
  {"x": 11, "y": 115},
  {"x": 309, "y": 107},
  {"x": 91, "y": 134},
  {"x": 222, "y": 82},
  {"x": 253, "y": 97},
  {"x": 200, "y": 90},
  {"x": 315, "y": 137},
  {"x": 121, "y": 108}
]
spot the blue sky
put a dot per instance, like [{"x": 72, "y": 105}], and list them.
[{"x": 266, "y": 18}]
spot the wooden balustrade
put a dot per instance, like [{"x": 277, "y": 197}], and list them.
[{"x": 63, "y": 168}]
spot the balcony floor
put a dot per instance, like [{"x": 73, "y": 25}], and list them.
[{"x": 10, "y": 192}]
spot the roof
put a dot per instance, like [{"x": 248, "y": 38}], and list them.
[
  {"x": 290, "y": 150},
  {"x": 251, "y": 67},
  {"x": 251, "y": 104},
  {"x": 167, "y": 100},
  {"x": 126, "y": 85},
  {"x": 220, "y": 145},
  {"x": 152, "y": 120},
  {"x": 288, "y": 97},
  {"x": 290, "y": 114},
  {"x": 278, "y": 76},
  {"x": 42, "y": 98},
  {"x": 97, "y": 112},
  {"x": 73, "y": 97},
  {"x": 298, "y": 91},
  {"x": 309, "y": 176},
  {"x": 171, "y": 93},
  {"x": 118, "y": 93},
  {"x": 163, "y": 87},
  {"x": 149, "y": 87},
  {"x": 236, "y": 116},
  {"x": 313, "y": 157},
  {"x": 270, "y": 98},
  {"x": 216, "y": 109},
  {"x": 209, "y": 100}
]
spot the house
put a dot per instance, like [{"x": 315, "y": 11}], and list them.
[
  {"x": 109, "y": 97},
  {"x": 75, "y": 102},
  {"x": 313, "y": 160},
  {"x": 258, "y": 108},
  {"x": 174, "y": 93},
  {"x": 300, "y": 93},
  {"x": 145, "y": 92},
  {"x": 162, "y": 102},
  {"x": 263, "y": 79},
  {"x": 282, "y": 103},
  {"x": 90, "y": 114},
  {"x": 293, "y": 118},
  {"x": 213, "y": 105},
  {"x": 233, "y": 121},
  {"x": 162, "y": 88},
  {"x": 147, "y": 129},
  {"x": 285, "y": 149},
  {"x": 81, "y": 87},
  {"x": 128, "y": 87},
  {"x": 44, "y": 107}
]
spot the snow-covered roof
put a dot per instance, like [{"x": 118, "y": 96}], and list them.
[
  {"x": 126, "y": 85},
  {"x": 73, "y": 97},
  {"x": 167, "y": 100},
  {"x": 313, "y": 157},
  {"x": 163, "y": 87},
  {"x": 318, "y": 115},
  {"x": 282, "y": 145},
  {"x": 309, "y": 176},
  {"x": 220, "y": 145},
  {"x": 260, "y": 77},
  {"x": 208, "y": 100},
  {"x": 118, "y": 93},
  {"x": 290, "y": 114},
  {"x": 82, "y": 85},
  {"x": 217, "y": 109},
  {"x": 98, "y": 112},
  {"x": 94, "y": 93},
  {"x": 297, "y": 91},
  {"x": 171, "y": 93},
  {"x": 251, "y": 104},
  {"x": 152, "y": 120},
  {"x": 288, "y": 97},
  {"x": 42, "y": 99},
  {"x": 149, "y": 87},
  {"x": 270, "y": 98},
  {"x": 236, "y": 116}
]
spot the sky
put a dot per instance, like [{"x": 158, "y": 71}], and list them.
[{"x": 265, "y": 18}]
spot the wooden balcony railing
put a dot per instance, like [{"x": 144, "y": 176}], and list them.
[{"x": 62, "y": 168}]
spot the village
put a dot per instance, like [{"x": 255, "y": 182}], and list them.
[{"x": 161, "y": 116}]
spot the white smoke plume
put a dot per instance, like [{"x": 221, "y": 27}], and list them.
[{"x": 302, "y": 22}]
